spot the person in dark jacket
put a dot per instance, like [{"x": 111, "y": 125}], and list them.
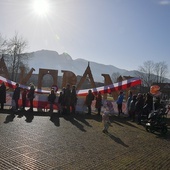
[
  {"x": 67, "y": 98},
  {"x": 98, "y": 104},
  {"x": 51, "y": 99},
  {"x": 132, "y": 107},
  {"x": 88, "y": 100},
  {"x": 24, "y": 98},
  {"x": 60, "y": 98},
  {"x": 62, "y": 101},
  {"x": 2, "y": 95},
  {"x": 148, "y": 104},
  {"x": 16, "y": 96},
  {"x": 139, "y": 106},
  {"x": 130, "y": 96},
  {"x": 73, "y": 101},
  {"x": 31, "y": 97}
]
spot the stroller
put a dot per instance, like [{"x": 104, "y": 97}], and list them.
[{"x": 156, "y": 121}]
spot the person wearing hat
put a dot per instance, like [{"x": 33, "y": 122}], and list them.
[
  {"x": 132, "y": 107},
  {"x": 16, "y": 96},
  {"x": 31, "y": 96},
  {"x": 2, "y": 95},
  {"x": 51, "y": 99},
  {"x": 139, "y": 106}
]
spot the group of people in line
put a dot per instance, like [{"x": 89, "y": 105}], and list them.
[
  {"x": 141, "y": 105},
  {"x": 26, "y": 95},
  {"x": 137, "y": 105},
  {"x": 67, "y": 100}
]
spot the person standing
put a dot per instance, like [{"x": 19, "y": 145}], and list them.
[
  {"x": 2, "y": 95},
  {"x": 73, "y": 99},
  {"x": 88, "y": 100},
  {"x": 119, "y": 102},
  {"x": 67, "y": 98},
  {"x": 51, "y": 99},
  {"x": 60, "y": 98},
  {"x": 148, "y": 104},
  {"x": 128, "y": 103},
  {"x": 16, "y": 96},
  {"x": 98, "y": 104},
  {"x": 24, "y": 98},
  {"x": 139, "y": 107},
  {"x": 31, "y": 97},
  {"x": 132, "y": 108}
]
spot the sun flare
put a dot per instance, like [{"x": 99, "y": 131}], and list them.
[{"x": 41, "y": 7}]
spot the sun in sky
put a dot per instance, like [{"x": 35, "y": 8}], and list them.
[{"x": 41, "y": 7}]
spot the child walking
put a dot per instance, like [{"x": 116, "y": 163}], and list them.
[{"x": 108, "y": 109}]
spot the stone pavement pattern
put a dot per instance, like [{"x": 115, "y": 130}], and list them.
[{"x": 44, "y": 142}]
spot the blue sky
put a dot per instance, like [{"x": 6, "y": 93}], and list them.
[{"x": 123, "y": 33}]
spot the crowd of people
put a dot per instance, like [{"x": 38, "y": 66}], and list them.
[
  {"x": 137, "y": 105},
  {"x": 141, "y": 105},
  {"x": 26, "y": 95},
  {"x": 67, "y": 100}
]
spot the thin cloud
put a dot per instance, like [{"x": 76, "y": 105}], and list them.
[{"x": 164, "y": 2}]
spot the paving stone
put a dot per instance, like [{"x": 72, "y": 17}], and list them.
[{"x": 76, "y": 142}]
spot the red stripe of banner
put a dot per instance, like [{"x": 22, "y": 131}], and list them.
[{"x": 104, "y": 89}]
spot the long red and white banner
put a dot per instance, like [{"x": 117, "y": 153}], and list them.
[
  {"x": 41, "y": 97},
  {"x": 112, "y": 87},
  {"x": 104, "y": 89}
]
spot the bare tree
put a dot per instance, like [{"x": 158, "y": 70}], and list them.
[
  {"x": 161, "y": 69},
  {"x": 15, "y": 57},
  {"x": 146, "y": 73},
  {"x": 152, "y": 72},
  {"x": 114, "y": 76},
  {"x": 2, "y": 44}
]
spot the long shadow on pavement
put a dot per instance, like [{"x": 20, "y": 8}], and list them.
[
  {"x": 74, "y": 122},
  {"x": 117, "y": 140},
  {"x": 55, "y": 119},
  {"x": 9, "y": 118},
  {"x": 82, "y": 119}
]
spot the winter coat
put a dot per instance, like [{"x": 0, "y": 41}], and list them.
[
  {"x": 98, "y": 101},
  {"x": 31, "y": 93},
  {"x": 16, "y": 94},
  {"x": 120, "y": 99},
  {"x": 73, "y": 97},
  {"x": 52, "y": 97},
  {"x": 2, "y": 93},
  {"x": 89, "y": 99}
]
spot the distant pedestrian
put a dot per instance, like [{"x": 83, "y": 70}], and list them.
[
  {"x": 24, "y": 98},
  {"x": 67, "y": 99},
  {"x": 98, "y": 104},
  {"x": 16, "y": 96},
  {"x": 120, "y": 102},
  {"x": 148, "y": 104},
  {"x": 128, "y": 103},
  {"x": 60, "y": 98},
  {"x": 51, "y": 99},
  {"x": 73, "y": 101},
  {"x": 62, "y": 101},
  {"x": 31, "y": 97},
  {"x": 132, "y": 108},
  {"x": 2, "y": 95},
  {"x": 88, "y": 100},
  {"x": 139, "y": 107}
]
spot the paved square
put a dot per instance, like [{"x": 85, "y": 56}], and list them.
[{"x": 76, "y": 142}]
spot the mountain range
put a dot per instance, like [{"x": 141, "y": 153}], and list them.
[{"x": 52, "y": 60}]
